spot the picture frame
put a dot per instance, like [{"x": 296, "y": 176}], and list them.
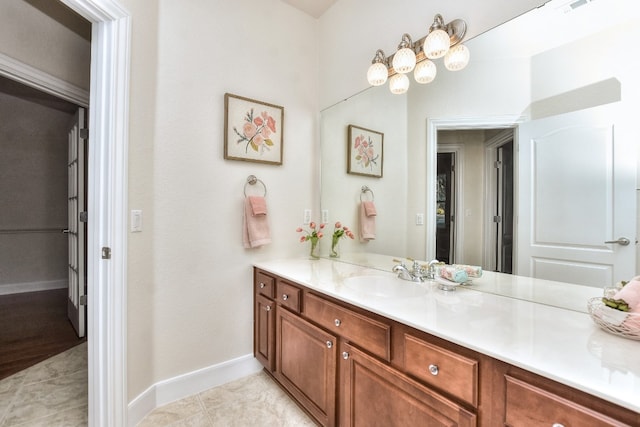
[
  {"x": 253, "y": 130},
  {"x": 365, "y": 151}
]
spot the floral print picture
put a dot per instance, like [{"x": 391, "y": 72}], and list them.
[
  {"x": 364, "y": 156},
  {"x": 253, "y": 130}
]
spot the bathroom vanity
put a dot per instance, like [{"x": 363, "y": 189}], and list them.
[{"x": 405, "y": 354}]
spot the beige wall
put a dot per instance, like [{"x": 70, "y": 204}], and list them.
[{"x": 190, "y": 279}]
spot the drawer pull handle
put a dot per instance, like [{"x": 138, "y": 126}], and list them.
[
  {"x": 433, "y": 369},
  {"x": 337, "y": 322},
  {"x": 268, "y": 308},
  {"x": 557, "y": 425},
  {"x": 262, "y": 285},
  {"x": 345, "y": 355},
  {"x": 329, "y": 344},
  {"x": 285, "y": 297}
]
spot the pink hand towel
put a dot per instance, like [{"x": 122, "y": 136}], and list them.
[
  {"x": 258, "y": 205},
  {"x": 630, "y": 293},
  {"x": 367, "y": 222},
  {"x": 255, "y": 228},
  {"x": 369, "y": 209}
]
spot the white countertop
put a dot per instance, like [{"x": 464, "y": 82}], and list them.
[{"x": 560, "y": 344}]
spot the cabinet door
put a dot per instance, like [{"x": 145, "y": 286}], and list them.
[
  {"x": 306, "y": 364},
  {"x": 374, "y": 394},
  {"x": 264, "y": 338}
]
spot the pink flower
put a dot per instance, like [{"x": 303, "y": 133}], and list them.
[
  {"x": 258, "y": 139},
  {"x": 320, "y": 234},
  {"x": 338, "y": 225},
  {"x": 312, "y": 224},
  {"x": 357, "y": 144},
  {"x": 303, "y": 238},
  {"x": 265, "y": 132},
  {"x": 299, "y": 229},
  {"x": 321, "y": 226},
  {"x": 271, "y": 124},
  {"x": 258, "y": 121},
  {"x": 249, "y": 130}
]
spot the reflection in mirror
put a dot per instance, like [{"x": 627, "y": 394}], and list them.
[{"x": 543, "y": 67}]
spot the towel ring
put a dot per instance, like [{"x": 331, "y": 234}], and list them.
[
  {"x": 366, "y": 189},
  {"x": 252, "y": 180}
]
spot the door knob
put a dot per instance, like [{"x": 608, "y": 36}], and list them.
[{"x": 621, "y": 241}]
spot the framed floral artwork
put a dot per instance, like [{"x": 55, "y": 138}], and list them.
[
  {"x": 253, "y": 130},
  {"x": 364, "y": 152}
]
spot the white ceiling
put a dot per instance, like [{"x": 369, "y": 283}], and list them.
[{"x": 314, "y": 8}]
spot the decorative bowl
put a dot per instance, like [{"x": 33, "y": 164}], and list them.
[{"x": 624, "y": 324}]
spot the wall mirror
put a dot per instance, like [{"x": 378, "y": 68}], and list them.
[{"x": 556, "y": 63}]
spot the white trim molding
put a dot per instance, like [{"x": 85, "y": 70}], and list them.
[
  {"x": 188, "y": 384},
  {"x": 107, "y": 204},
  {"x": 44, "y": 82},
  {"x": 46, "y": 285}
]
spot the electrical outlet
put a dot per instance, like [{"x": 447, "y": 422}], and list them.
[
  {"x": 306, "y": 219},
  {"x": 325, "y": 216},
  {"x": 419, "y": 219},
  {"x": 136, "y": 220}
]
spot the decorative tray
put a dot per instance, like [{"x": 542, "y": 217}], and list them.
[{"x": 614, "y": 321}]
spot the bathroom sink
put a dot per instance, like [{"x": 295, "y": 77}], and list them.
[{"x": 383, "y": 286}]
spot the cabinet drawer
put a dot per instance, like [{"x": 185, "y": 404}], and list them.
[
  {"x": 450, "y": 372},
  {"x": 288, "y": 295},
  {"x": 524, "y": 401},
  {"x": 265, "y": 285},
  {"x": 369, "y": 334}
]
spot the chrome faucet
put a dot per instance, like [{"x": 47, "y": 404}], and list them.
[
  {"x": 431, "y": 268},
  {"x": 415, "y": 274}
]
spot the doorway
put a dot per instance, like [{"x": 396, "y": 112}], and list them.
[
  {"x": 475, "y": 188},
  {"x": 107, "y": 236}
]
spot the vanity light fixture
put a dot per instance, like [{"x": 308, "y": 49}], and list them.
[{"x": 443, "y": 40}]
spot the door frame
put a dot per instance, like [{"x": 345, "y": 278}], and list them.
[
  {"x": 456, "y": 123},
  {"x": 458, "y": 201},
  {"x": 107, "y": 198}
]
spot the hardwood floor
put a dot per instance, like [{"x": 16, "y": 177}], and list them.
[{"x": 33, "y": 327}]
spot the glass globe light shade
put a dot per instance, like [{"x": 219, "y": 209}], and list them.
[
  {"x": 436, "y": 44},
  {"x": 425, "y": 72},
  {"x": 457, "y": 58},
  {"x": 377, "y": 74},
  {"x": 399, "y": 83},
  {"x": 404, "y": 60}
]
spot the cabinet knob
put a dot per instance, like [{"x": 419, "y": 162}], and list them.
[
  {"x": 262, "y": 285},
  {"x": 345, "y": 355},
  {"x": 285, "y": 297},
  {"x": 268, "y": 308},
  {"x": 433, "y": 369},
  {"x": 329, "y": 344},
  {"x": 557, "y": 425},
  {"x": 337, "y": 322}
]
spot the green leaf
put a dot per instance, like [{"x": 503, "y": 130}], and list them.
[
  {"x": 268, "y": 142},
  {"x": 358, "y": 157},
  {"x": 254, "y": 146}
]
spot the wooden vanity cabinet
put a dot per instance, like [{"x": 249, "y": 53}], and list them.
[
  {"x": 346, "y": 366},
  {"x": 306, "y": 359},
  {"x": 264, "y": 320},
  {"x": 372, "y": 393}
]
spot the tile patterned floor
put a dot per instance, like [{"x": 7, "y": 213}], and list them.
[
  {"x": 253, "y": 401},
  {"x": 53, "y": 393}
]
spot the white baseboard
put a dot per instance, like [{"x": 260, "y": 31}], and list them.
[
  {"x": 17, "y": 288},
  {"x": 182, "y": 386}
]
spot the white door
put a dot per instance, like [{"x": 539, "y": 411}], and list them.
[
  {"x": 76, "y": 305},
  {"x": 577, "y": 176}
]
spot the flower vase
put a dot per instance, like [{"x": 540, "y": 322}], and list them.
[
  {"x": 335, "y": 247},
  {"x": 314, "y": 253}
]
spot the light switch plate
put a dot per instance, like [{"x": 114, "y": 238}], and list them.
[
  {"x": 136, "y": 220},
  {"x": 419, "y": 219},
  {"x": 325, "y": 216},
  {"x": 306, "y": 219}
]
